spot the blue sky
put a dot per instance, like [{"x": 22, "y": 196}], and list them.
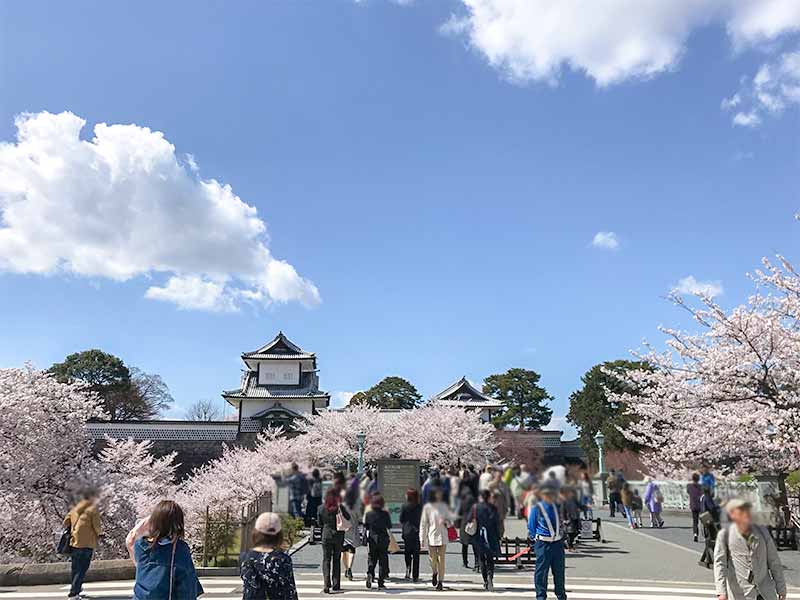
[{"x": 436, "y": 191}]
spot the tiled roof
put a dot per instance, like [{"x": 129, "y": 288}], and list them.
[
  {"x": 275, "y": 409},
  {"x": 251, "y": 389},
  {"x": 279, "y": 342},
  {"x": 463, "y": 393},
  {"x": 273, "y": 356}
]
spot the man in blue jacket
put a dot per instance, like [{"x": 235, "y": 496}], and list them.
[{"x": 544, "y": 528}]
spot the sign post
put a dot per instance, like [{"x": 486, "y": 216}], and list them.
[{"x": 394, "y": 478}]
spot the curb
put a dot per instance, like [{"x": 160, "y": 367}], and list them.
[
  {"x": 299, "y": 545},
  {"x": 55, "y": 573},
  {"x": 19, "y": 575}
]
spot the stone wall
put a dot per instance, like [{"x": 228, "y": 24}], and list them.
[
  {"x": 536, "y": 449},
  {"x": 190, "y": 453}
]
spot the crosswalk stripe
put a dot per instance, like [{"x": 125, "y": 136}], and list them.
[{"x": 462, "y": 587}]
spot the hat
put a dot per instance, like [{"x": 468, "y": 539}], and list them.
[
  {"x": 268, "y": 522},
  {"x": 735, "y": 503}
]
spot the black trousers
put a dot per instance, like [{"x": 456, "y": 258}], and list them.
[
  {"x": 486, "y": 560},
  {"x": 80, "y": 560},
  {"x": 465, "y": 553},
  {"x": 696, "y": 522},
  {"x": 412, "y": 561},
  {"x": 613, "y": 502},
  {"x": 379, "y": 555},
  {"x": 332, "y": 557}
]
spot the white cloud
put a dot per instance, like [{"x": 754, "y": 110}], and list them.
[
  {"x": 607, "y": 240},
  {"x": 193, "y": 293},
  {"x": 773, "y": 89},
  {"x": 122, "y": 205},
  {"x": 690, "y": 285},
  {"x": 608, "y": 40},
  {"x": 746, "y": 119},
  {"x": 341, "y": 399}
]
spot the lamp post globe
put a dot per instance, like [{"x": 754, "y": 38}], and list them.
[{"x": 600, "y": 440}]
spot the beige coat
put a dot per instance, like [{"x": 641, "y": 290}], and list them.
[
  {"x": 433, "y": 524},
  {"x": 84, "y": 523},
  {"x": 766, "y": 566}
]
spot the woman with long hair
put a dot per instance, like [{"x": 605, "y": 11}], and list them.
[
  {"x": 378, "y": 524},
  {"x": 266, "y": 570},
  {"x": 164, "y": 567},
  {"x": 410, "y": 515},
  {"x": 331, "y": 517}
]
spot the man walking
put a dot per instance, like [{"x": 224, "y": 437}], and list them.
[
  {"x": 746, "y": 563},
  {"x": 544, "y": 529},
  {"x": 84, "y": 523},
  {"x": 613, "y": 489},
  {"x": 695, "y": 491},
  {"x": 298, "y": 486}
]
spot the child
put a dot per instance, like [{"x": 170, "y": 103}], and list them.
[{"x": 637, "y": 506}]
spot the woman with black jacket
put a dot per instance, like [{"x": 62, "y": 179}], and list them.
[
  {"x": 378, "y": 523},
  {"x": 332, "y": 539},
  {"x": 487, "y": 538},
  {"x": 410, "y": 515},
  {"x": 465, "y": 516}
]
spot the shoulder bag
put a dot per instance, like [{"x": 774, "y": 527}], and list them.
[{"x": 471, "y": 528}]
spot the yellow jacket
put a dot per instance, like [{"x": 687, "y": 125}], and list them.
[{"x": 84, "y": 522}]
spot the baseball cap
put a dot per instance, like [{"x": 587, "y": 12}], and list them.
[{"x": 268, "y": 522}]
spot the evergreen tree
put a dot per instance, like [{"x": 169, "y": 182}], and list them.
[{"x": 523, "y": 397}]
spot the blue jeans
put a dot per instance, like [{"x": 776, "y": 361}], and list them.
[
  {"x": 629, "y": 515},
  {"x": 296, "y": 507},
  {"x": 549, "y": 557},
  {"x": 81, "y": 559}
]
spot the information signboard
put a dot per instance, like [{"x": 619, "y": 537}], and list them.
[{"x": 395, "y": 477}]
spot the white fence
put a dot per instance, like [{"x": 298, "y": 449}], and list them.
[{"x": 757, "y": 493}]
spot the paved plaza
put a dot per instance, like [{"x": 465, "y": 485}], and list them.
[{"x": 632, "y": 565}]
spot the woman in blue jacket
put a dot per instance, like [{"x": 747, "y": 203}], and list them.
[{"x": 164, "y": 567}]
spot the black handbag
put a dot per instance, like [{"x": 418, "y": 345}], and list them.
[{"x": 63, "y": 546}]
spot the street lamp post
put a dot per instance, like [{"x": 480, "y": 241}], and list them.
[
  {"x": 600, "y": 440},
  {"x": 361, "y": 438}
]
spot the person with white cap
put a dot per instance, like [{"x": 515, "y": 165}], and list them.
[
  {"x": 266, "y": 570},
  {"x": 746, "y": 562}
]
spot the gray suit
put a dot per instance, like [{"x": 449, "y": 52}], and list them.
[{"x": 732, "y": 555}]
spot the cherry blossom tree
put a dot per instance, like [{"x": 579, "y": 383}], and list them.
[
  {"x": 728, "y": 396},
  {"x": 445, "y": 435},
  {"x": 46, "y": 457},
  {"x": 44, "y": 454},
  {"x": 130, "y": 480}
]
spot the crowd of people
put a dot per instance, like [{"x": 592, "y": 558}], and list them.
[{"x": 465, "y": 506}]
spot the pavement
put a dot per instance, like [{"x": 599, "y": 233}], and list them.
[{"x": 644, "y": 564}]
